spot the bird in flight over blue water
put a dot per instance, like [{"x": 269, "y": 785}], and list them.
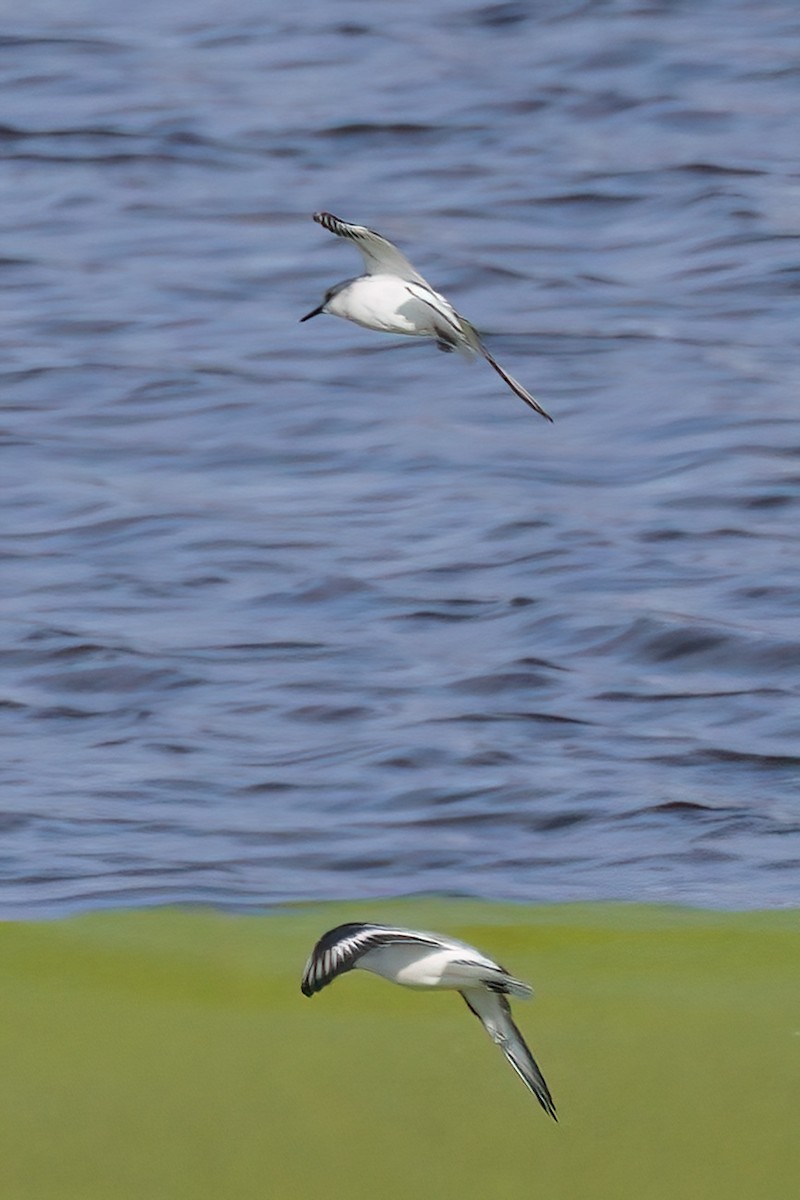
[
  {"x": 394, "y": 298},
  {"x": 418, "y": 959}
]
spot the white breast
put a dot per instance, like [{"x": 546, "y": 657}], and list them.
[{"x": 382, "y": 302}]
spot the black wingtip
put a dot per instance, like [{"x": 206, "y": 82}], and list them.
[
  {"x": 545, "y": 1099},
  {"x": 528, "y": 399},
  {"x": 327, "y": 220},
  {"x": 515, "y": 385}
]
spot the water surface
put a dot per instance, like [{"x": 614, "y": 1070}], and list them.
[{"x": 296, "y": 611}]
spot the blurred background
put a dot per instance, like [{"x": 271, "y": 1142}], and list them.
[{"x": 297, "y": 612}]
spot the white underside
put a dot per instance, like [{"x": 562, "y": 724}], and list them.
[
  {"x": 412, "y": 967},
  {"x": 384, "y": 302}
]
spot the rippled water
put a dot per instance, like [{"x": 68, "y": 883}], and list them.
[{"x": 296, "y": 611}]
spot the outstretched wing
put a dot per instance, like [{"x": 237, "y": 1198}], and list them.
[
  {"x": 339, "y": 950},
  {"x": 380, "y": 257},
  {"x": 494, "y": 1013},
  {"x": 475, "y": 342},
  {"x": 455, "y": 332},
  {"x": 515, "y": 385}
]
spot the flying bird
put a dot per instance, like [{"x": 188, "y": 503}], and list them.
[
  {"x": 394, "y": 298},
  {"x": 418, "y": 959}
]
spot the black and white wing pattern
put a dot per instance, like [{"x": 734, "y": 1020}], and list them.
[
  {"x": 380, "y": 257},
  {"x": 451, "y": 330},
  {"x": 339, "y": 950},
  {"x": 494, "y": 1013}
]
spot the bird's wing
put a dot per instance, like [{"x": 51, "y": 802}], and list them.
[
  {"x": 450, "y": 328},
  {"x": 380, "y": 257},
  {"x": 515, "y": 385},
  {"x": 339, "y": 950},
  {"x": 456, "y": 332},
  {"x": 494, "y": 1013},
  {"x": 473, "y": 969}
]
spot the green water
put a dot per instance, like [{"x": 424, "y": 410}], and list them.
[{"x": 170, "y": 1054}]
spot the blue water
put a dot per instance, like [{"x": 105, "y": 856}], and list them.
[{"x": 299, "y": 611}]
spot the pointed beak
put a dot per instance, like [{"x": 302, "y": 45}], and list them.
[{"x": 314, "y": 313}]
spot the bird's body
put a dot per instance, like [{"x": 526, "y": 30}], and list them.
[
  {"x": 417, "y": 959},
  {"x": 392, "y": 305},
  {"x": 392, "y": 297}
]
